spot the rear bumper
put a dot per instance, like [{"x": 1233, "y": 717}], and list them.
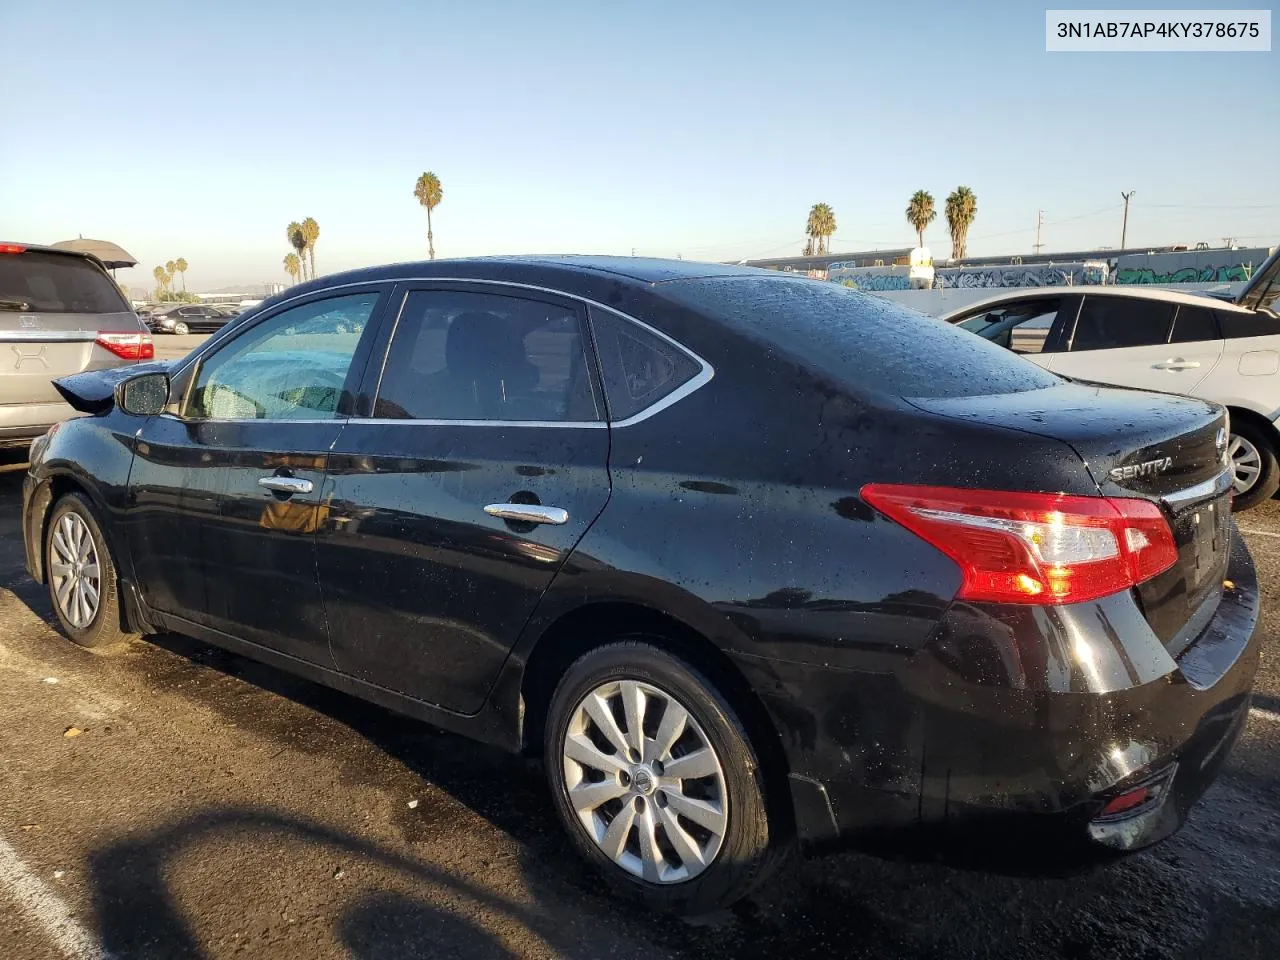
[
  {"x": 20, "y": 423},
  {"x": 1004, "y": 737}
]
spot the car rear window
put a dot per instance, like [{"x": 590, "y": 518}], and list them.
[
  {"x": 864, "y": 340},
  {"x": 56, "y": 283}
]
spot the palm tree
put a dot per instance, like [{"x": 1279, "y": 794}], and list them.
[
  {"x": 162, "y": 280},
  {"x": 181, "y": 266},
  {"x": 292, "y": 266},
  {"x": 920, "y": 213},
  {"x": 822, "y": 225},
  {"x": 171, "y": 269},
  {"x": 429, "y": 194},
  {"x": 962, "y": 207},
  {"x": 298, "y": 240},
  {"x": 311, "y": 233}
]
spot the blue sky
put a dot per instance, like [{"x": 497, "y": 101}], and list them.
[{"x": 698, "y": 128}]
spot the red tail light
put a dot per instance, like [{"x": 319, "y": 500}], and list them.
[
  {"x": 128, "y": 346},
  {"x": 1044, "y": 548},
  {"x": 12, "y": 248}
]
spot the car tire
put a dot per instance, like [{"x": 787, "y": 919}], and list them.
[
  {"x": 86, "y": 599},
  {"x": 716, "y": 869},
  {"x": 180, "y": 329},
  {"x": 1253, "y": 456}
]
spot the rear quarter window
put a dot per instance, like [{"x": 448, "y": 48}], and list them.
[
  {"x": 56, "y": 283},
  {"x": 866, "y": 341},
  {"x": 1237, "y": 323}
]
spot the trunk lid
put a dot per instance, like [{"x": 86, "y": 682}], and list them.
[
  {"x": 1156, "y": 446},
  {"x": 37, "y": 348},
  {"x": 53, "y": 306}
]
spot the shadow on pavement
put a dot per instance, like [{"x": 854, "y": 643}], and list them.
[{"x": 137, "y": 915}]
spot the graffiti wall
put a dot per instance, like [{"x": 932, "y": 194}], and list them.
[
  {"x": 1164, "y": 269},
  {"x": 1191, "y": 266},
  {"x": 1031, "y": 275}
]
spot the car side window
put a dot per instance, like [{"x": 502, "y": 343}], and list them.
[
  {"x": 1022, "y": 327},
  {"x": 1237, "y": 323},
  {"x": 465, "y": 355},
  {"x": 292, "y": 366},
  {"x": 1109, "y": 323},
  {"x": 1194, "y": 324},
  {"x": 639, "y": 367}
]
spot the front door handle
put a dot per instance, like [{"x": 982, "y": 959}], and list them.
[
  {"x": 1177, "y": 363},
  {"x": 528, "y": 513},
  {"x": 288, "y": 485}
]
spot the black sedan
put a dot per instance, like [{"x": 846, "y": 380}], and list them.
[
  {"x": 189, "y": 318},
  {"x": 748, "y": 559}
]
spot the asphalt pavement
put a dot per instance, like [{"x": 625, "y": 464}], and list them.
[{"x": 172, "y": 800}]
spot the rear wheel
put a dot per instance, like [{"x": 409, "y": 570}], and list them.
[
  {"x": 655, "y": 779},
  {"x": 180, "y": 329},
  {"x": 1253, "y": 462},
  {"x": 82, "y": 575}
]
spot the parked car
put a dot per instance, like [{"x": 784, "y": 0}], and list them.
[
  {"x": 188, "y": 318},
  {"x": 228, "y": 310},
  {"x": 60, "y": 313},
  {"x": 1158, "y": 339},
  {"x": 746, "y": 558}
]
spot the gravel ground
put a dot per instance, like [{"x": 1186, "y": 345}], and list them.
[{"x": 212, "y": 807}]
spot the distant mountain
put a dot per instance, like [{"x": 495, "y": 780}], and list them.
[{"x": 245, "y": 289}]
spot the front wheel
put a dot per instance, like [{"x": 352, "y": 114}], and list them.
[
  {"x": 1255, "y": 471},
  {"x": 180, "y": 329},
  {"x": 82, "y": 575},
  {"x": 656, "y": 780}
]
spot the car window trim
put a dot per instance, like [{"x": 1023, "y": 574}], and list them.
[
  {"x": 190, "y": 371},
  {"x": 400, "y": 297},
  {"x": 705, "y": 372}
]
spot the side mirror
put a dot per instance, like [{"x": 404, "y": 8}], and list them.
[{"x": 144, "y": 395}]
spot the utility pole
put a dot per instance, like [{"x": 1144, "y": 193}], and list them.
[
  {"x": 1124, "y": 230},
  {"x": 1039, "y": 224}
]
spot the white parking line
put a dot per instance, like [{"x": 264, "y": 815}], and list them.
[
  {"x": 46, "y": 908},
  {"x": 1258, "y": 533}
]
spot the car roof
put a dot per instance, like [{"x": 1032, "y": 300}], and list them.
[
  {"x": 1131, "y": 291},
  {"x": 644, "y": 270}
]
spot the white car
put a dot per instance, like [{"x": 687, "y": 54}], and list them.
[{"x": 1153, "y": 339}]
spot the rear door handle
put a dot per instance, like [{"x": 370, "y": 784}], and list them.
[
  {"x": 289, "y": 485},
  {"x": 1177, "y": 363},
  {"x": 528, "y": 513}
]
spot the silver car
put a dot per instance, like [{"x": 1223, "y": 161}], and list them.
[{"x": 60, "y": 313}]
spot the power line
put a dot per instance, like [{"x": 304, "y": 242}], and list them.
[{"x": 1215, "y": 206}]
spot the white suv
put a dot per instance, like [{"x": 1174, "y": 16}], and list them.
[{"x": 1226, "y": 351}]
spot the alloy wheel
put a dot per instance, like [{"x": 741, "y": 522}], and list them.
[
  {"x": 645, "y": 781},
  {"x": 74, "y": 569},
  {"x": 1246, "y": 463}
]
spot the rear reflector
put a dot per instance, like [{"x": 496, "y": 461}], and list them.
[
  {"x": 1125, "y": 802},
  {"x": 1043, "y": 548},
  {"x": 128, "y": 346},
  {"x": 12, "y": 248}
]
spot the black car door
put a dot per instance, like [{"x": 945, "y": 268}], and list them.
[
  {"x": 227, "y": 487},
  {"x": 453, "y": 506}
]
